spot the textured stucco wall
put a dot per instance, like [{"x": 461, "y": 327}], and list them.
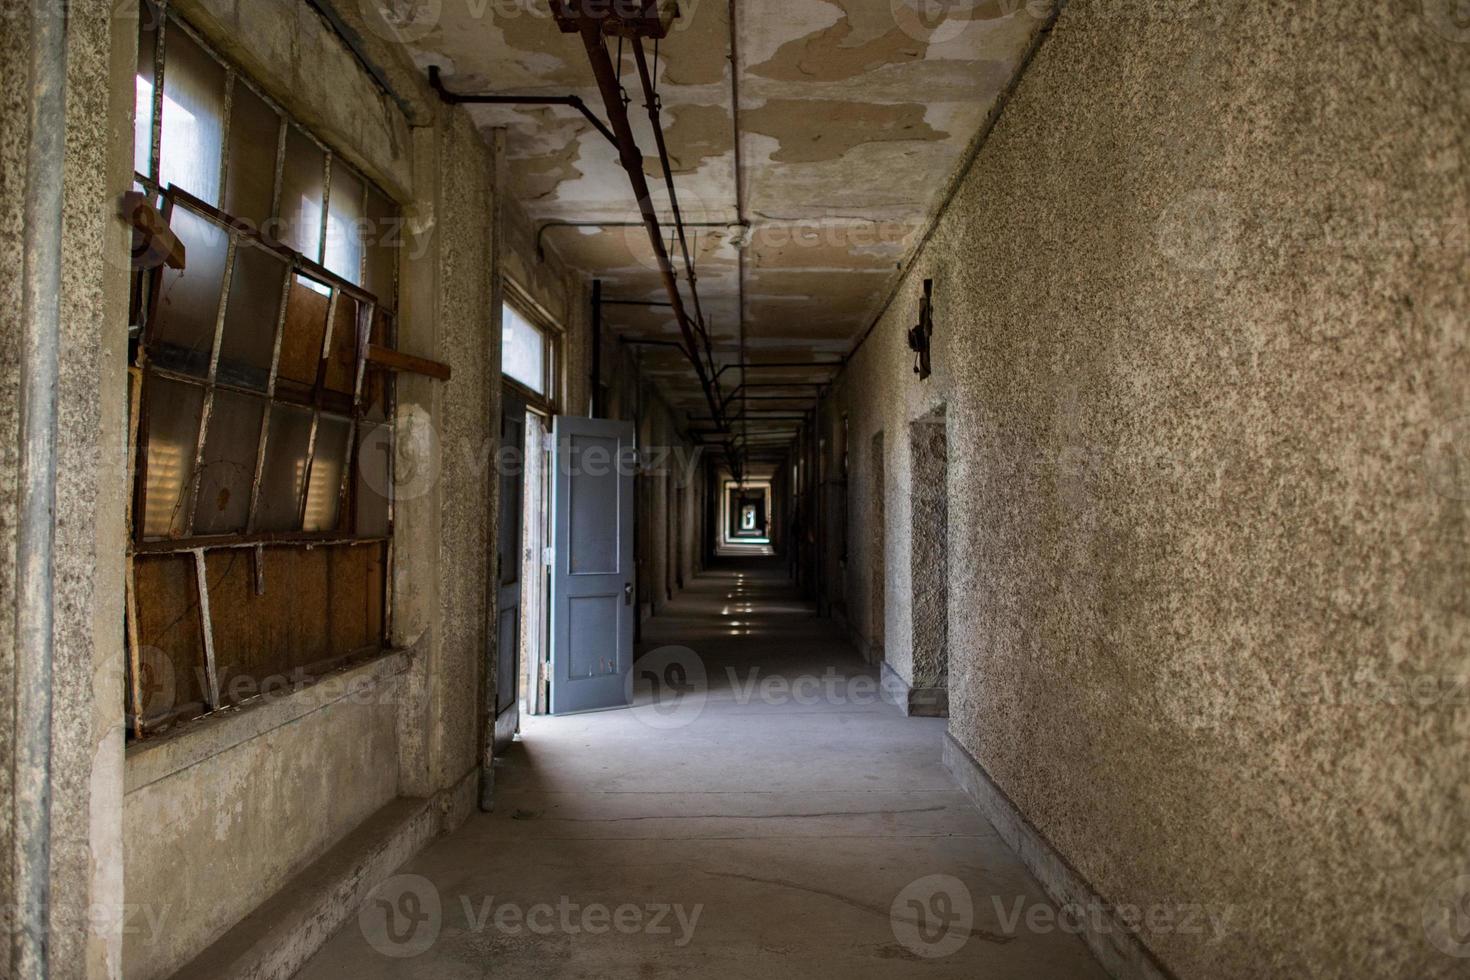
[
  {"x": 86, "y": 782},
  {"x": 1202, "y": 331}
]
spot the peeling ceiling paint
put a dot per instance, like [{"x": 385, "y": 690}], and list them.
[{"x": 854, "y": 114}]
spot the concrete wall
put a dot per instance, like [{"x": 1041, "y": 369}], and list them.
[
  {"x": 1202, "y": 322},
  {"x": 207, "y": 843},
  {"x": 87, "y": 741}
]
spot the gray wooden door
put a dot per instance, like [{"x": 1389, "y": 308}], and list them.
[
  {"x": 512, "y": 490},
  {"x": 592, "y": 579}
]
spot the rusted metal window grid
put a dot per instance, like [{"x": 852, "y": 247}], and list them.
[{"x": 149, "y": 287}]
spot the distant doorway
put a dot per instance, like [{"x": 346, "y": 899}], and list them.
[
  {"x": 745, "y": 518},
  {"x": 929, "y": 448},
  {"x": 877, "y": 559}
]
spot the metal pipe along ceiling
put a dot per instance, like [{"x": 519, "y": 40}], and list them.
[{"x": 591, "y": 29}]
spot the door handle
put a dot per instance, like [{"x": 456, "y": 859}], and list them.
[{"x": 627, "y": 593}]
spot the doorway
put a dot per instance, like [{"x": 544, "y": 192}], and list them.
[
  {"x": 511, "y": 570},
  {"x": 877, "y": 558},
  {"x": 745, "y": 518},
  {"x": 523, "y": 584},
  {"x": 929, "y": 449},
  {"x": 535, "y": 587}
]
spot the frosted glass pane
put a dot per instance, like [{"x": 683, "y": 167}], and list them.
[
  {"x": 182, "y": 334},
  {"x": 193, "y": 110},
  {"x": 302, "y": 183},
  {"x": 230, "y": 450},
  {"x": 324, "y": 494},
  {"x": 374, "y": 448},
  {"x": 251, "y": 317},
  {"x": 250, "y": 181},
  {"x": 523, "y": 351},
  {"x": 384, "y": 235},
  {"x": 345, "y": 224},
  {"x": 172, "y": 412},
  {"x": 143, "y": 128},
  {"x": 284, "y": 478}
]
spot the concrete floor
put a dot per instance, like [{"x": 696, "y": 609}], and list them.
[{"x": 799, "y": 823}]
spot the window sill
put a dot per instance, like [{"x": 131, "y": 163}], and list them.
[{"x": 155, "y": 759}]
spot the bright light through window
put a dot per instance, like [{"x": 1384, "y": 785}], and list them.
[
  {"x": 523, "y": 351},
  {"x": 143, "y": 136}
]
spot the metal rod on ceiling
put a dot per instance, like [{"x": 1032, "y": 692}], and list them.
[
  {"x": 455, "y": 98},
  {"x": 591, "y": 32},
  {"x": 655, "y": 108},
  {"x": 35, "y": 548}
]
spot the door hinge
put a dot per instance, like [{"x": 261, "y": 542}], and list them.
[
  {"x": 548, "y": 557},
  {"x": 548, "y": 442}
]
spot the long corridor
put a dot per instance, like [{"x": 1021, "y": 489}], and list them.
[{"x": 771, "y": 817}]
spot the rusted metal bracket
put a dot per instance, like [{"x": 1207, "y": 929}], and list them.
[
  {"x": 393, "y": 360},
  {"x": 154, "y": 242}
]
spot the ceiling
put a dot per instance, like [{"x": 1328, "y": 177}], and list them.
[{"x": 852, "y": 116}]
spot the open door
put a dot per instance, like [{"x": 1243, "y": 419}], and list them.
[
  {"x": 512, "y": 489},
  {"x": 592, "y": 578}
]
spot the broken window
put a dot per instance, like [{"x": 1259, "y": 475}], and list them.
[{"x": 261, "y": 520}]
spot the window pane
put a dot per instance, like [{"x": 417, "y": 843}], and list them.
[
  {"x": 523, "y": 351},
  {"x": 284, "y": 477},
  {"x": 143, "y": 127},
  {"x": 182, "y": 335},
  {"x": 374, "y": 451},
  {"x": 306, "y": 328},
  {"x": 345, "y": 224},
  {"x": 171, "y": 413},
  {"x": 193, "y": 110},
  {"x": 384, "y": 234},
  {"x": 230, "y": 450},
  {"x": 252, "y": 315},
  {"x": 250, "y": 179},
  {"x": 302, "y": 183},
  {"x": 375, "y": 380},
  {"x": 324, "y": 495}
]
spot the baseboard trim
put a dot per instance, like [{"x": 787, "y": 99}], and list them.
[
  {"x": 277, "y": 939},
  {"x": 914, "y": 702},
  {"x": 1118, "y": 949}
]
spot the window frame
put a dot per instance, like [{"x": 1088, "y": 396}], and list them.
[
  {"x": 376, "y": 323},
  {"x": 517, "y": 298}
]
